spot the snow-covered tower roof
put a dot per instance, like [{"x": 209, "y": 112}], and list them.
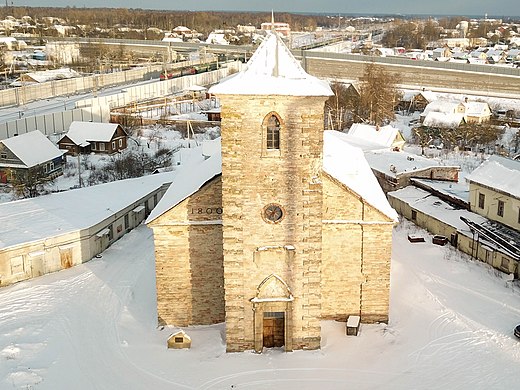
[{"x": 272, "y": 70}]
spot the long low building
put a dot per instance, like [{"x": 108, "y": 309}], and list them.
[
  {"x": 57, "y": 231},
  {"x": 461, "y": 227}
]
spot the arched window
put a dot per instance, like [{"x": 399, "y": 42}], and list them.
[{"x": 273, "y": 133}]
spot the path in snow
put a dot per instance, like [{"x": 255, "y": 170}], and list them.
[{"x": 94, "y": 327}]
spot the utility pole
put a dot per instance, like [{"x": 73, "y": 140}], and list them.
[{"x": 79, "y": 171}]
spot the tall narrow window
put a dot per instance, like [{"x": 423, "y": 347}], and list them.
[
  {"x": 500, "y": 210},
  {"x": 481, "y": 200},
  {"x": 273, "y": 133}
]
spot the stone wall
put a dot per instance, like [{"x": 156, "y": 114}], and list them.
[
  {"x": 357, "y": 241},
  {"x": 189, "y": 263},
  {"x": 254, "y": 178}
]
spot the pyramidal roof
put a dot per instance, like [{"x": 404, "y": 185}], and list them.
[{"x": 272, "y": 70}]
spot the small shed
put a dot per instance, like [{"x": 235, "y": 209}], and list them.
[
  {"x": 179, "y": 340},
  {"x": 353, "y": 325},
  {"x": 213, "y": 114}
]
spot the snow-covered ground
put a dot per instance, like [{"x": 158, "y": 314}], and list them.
[{"x": 94, "y": 327}]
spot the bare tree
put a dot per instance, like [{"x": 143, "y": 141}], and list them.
[
  {"x": 337, "y": 105},
  {"x": 378, "y": 95},
  {"x": 30, "y": 184}
]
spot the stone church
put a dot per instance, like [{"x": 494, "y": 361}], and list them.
[{"x": 281, "y": 226}]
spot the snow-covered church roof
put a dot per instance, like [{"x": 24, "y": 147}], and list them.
[
  {"x": 344, "y": 162},
  {"x": 197, "y": 171},
  {"x": 272, "y": 70},
  {"x": 347, "y": 164}
]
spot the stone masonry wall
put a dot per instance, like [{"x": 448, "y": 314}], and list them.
[
  {"x": 252, "y": 179},
  {"x": 188, "y": 259},
  {"x": 357, "y": 241}
]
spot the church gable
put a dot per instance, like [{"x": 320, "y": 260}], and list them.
[
  {"x": 273, "y": 288},
  {"x": 341, "y": 203},
  {"x": 203, "y": 205}
]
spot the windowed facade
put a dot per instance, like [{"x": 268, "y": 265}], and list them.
[
  {"x": 273, "y": 133},
  {"x": 481, "y": 200},
  {"x": 414, "y": 215},
  {"x": 500, "y": 209}
]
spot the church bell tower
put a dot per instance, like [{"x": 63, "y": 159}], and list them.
[{"x": 272, "y": 142}]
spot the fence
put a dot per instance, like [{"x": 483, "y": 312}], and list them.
[
  {"x": 98, "y": 109},
  {"x": 33, "y": 92}
]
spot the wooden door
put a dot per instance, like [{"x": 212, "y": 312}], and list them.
[
  {"x": 269, "y": 332},
  {"x": 274, "y": 331},
  {"x": 37, "y": 266}
]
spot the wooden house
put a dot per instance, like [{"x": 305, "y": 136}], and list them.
[
  {"x": 477, "y": 112},
  {"x": 386, "y": 136},
  {"x": 416, "y": 101},
  {"x": 92, "y": 137},
  {"x": 443, "y": 113},
  {"x": 29, "y": 153}
]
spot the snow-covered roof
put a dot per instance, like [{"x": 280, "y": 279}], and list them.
[
  {"x": 429, "y": 96},
  {"x": 189, "y": 180},
  {"x": 272, "y": 70},
  {"x": 217, "y": 38},
  {"x": 340, "y": 160},
  {"x": 82, "y": 132},
  {"x": 433, "y": 206},
  {"x": 500, "y": 173},
  {"x": 409, "y": 95},
  {"x": 34, "y": 219},
  {"x": 363, "y": 144},
  {"x": 393, "y": 163},
  {"x": 348, "y": 165},
  {"x": 457, "y": 190},
  {"x": 444, "y": 106},
  {"x": 476, "y": 108},
  {"x": 444, "y": 120},
  {"x": 384, "y": 136},
  {"x": 32, "y": 148},
  {"x": 7, "y": 39},
  {"x": 53, "y": 74}
]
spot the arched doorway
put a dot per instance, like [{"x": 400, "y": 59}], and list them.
[{"x": 272, "y": 314}]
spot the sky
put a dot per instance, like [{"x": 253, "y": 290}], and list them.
[{"x": 439, "y": 7}]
